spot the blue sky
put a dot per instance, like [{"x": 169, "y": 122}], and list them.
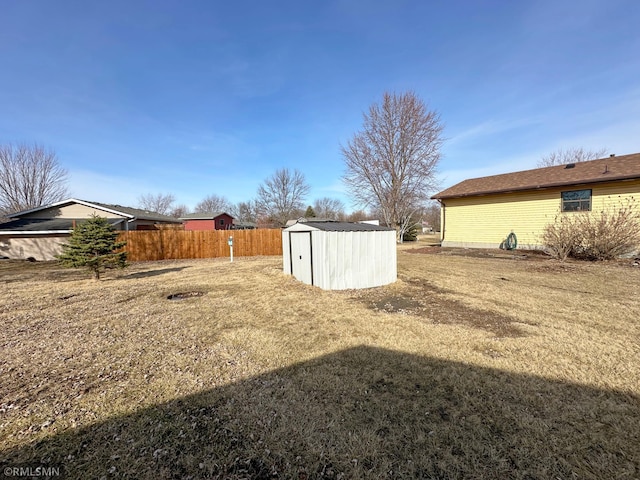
[{"x": 205, "y": 97}]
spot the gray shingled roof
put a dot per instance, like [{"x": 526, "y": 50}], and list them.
[
  {"x": 244, "y": 224},
  {"x": 47, "y": 225},
  {"x": 347, "y": 227},
  {"x": 203, "y": 216},
  {"x": 137, "y": 212},
  {"x": 608, "y": 169}
]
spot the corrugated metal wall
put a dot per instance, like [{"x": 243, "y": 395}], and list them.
[{"x": 345, "y": 260}]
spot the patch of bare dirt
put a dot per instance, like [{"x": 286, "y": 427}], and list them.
[
  {"x": 424, "y": 250},
  {"x": 541, "y": 262},
  {"x": 531, "y": 255},
  {"x": 552, "y": 267},
  {"x": 572, "y": 265},
  {"x": 185, "y": 295},
  {"x": 422, "y": 299}
]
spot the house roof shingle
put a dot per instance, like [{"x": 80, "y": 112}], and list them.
[
  {"x": 138, "y": 213},
  {"x": 608, "y": 169},
  {"x": 32, "y": 225},
  {"x": 203, "y": 216},
  {"x": 119, "y": 209}
]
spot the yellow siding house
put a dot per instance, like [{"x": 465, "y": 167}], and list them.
[{"x": 482, "y": 212}]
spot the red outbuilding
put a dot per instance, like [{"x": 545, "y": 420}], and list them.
[{"x": 208, "y": 221}]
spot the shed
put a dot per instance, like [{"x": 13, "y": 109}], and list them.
[{"x": 340, "y": 255}]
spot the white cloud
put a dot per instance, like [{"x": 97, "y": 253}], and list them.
[{"x": 492, "y": 128}]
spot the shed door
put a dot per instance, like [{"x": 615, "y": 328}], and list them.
[{"x": 301, "y": 267}]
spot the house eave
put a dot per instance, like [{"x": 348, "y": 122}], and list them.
[{"x": 35, "y": 232}]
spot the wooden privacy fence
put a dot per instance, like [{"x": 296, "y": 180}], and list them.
[{"x": 171, "y": 244}]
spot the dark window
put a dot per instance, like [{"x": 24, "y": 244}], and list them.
[
  {"x": 576, "y": 201},
  {"x": 222, "y": 221}
]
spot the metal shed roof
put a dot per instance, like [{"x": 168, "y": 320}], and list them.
[{"x": 345, "y": 227}]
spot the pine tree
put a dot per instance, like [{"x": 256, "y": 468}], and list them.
[
  {"x": 309, "y": 213},
  {"x": 93, "y": 245}
]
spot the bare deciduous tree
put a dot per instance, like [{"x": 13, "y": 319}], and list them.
[
  {"x": 358, "y": 216},
  {"x": 326, "y": 207},
  {"x": 213, "y": 204},
  {"x": 281, "y": 196},
  {"x": 159, "y": 203},
  {"x": 30, "y": 176},
  {"x": 570, "y": 155},
  {"x": 245, "y": 212},
  {"x": 179, "y": 211},
  {"x": 391, "y": 163}
]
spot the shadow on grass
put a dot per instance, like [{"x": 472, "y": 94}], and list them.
[
  {"x": 363, "y": 413},
  {"x": 152, "y": 273},
  {"x": 22, "y": 270}
]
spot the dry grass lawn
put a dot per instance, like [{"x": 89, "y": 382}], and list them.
[{"x": 476, "y": 366}]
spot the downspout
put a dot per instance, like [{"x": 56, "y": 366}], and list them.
[{"x": 443, "y": 222}]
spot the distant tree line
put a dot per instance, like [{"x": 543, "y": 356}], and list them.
[{"x": 280, "y": 197}]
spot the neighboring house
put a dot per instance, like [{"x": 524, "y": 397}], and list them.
[
  {"x": 426, "y": 227},
  {"x": 244, "y": 225},
  {"x": 39, "y": 233},
  {"x": 207, "y": 221},
  {"x": 482, "y": 212}
]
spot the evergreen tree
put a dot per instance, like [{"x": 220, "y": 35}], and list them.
[
  {"x": 411, "y": 234},
  {"x": 309, "y": 213},
  {"x": 93, "y": 245}
]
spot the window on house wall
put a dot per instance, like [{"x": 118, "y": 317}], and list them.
[
  {"x": 222, "y": 221},
  {"x": 576, "y": 201}
]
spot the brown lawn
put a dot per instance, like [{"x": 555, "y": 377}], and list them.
[{"x": 490, "y": 365}]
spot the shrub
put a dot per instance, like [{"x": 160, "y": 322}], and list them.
[
  {"x": 560, "y": 237},
  {"x": 611, "y": 233}
]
